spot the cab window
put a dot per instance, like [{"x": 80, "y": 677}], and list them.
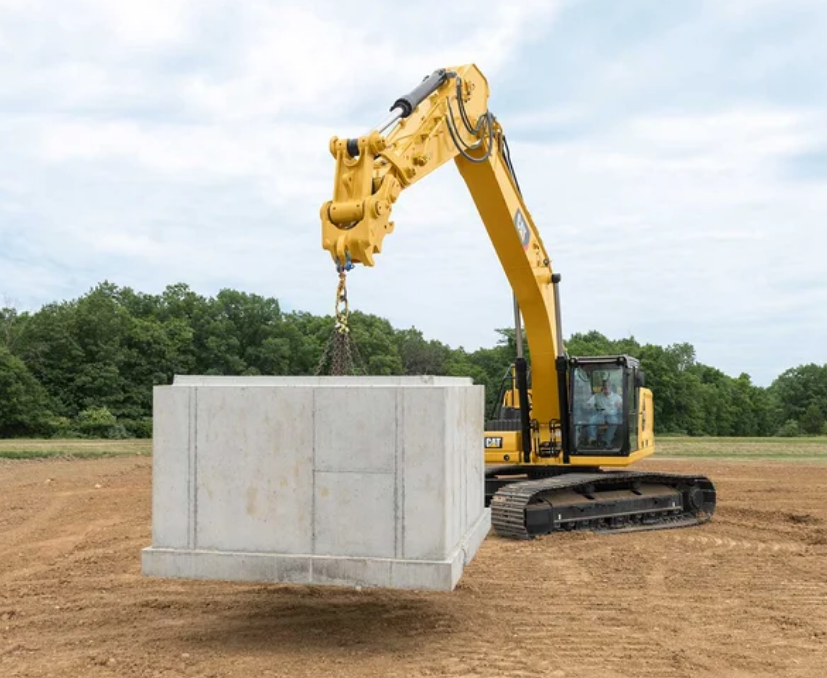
[{"x": 597, "y": 408}]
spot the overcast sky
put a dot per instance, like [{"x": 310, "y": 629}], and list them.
[{"x": 673, "y": 155}]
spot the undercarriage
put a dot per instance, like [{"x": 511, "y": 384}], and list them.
[{"x": 527, "y": 502}]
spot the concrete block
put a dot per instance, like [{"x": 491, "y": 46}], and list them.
[{"x": 348, "y": 481}]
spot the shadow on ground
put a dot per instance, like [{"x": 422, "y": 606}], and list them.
[{"x": 304, "y": 618}]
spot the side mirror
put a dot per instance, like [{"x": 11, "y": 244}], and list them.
[{"x": 640, "y": 379}]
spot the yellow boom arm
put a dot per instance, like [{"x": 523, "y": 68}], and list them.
[{"x": 447, "y": 118}]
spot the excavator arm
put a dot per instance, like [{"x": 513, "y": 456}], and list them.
[{"x": 446, "y": 119}]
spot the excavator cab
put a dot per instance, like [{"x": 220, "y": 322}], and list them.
[{"x": 605, "y": 405}]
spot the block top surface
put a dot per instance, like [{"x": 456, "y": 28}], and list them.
[{"x": 322, "y": 381}]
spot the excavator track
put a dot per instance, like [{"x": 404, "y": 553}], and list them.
[{"x": 610, "y": 501}]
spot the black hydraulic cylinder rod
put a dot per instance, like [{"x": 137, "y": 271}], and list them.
[
  {"x": 565, "y": 418},
  {"x": 418, "y": 94},
  {"x": 406, "y": 104},
  {"x": 521, "y": 367}
]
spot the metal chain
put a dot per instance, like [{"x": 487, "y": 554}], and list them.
[
  {"x": 342, "y": 308},
  {"x": 323, "y": 357},
  {"x": 341, "y": 347}
]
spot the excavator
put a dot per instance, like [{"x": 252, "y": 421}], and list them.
[{"x": 565, "y": 429}]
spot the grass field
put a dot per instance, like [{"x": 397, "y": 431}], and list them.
[
  {"x": 793, "y": 449},
  {"x": 27, "y": 448}
]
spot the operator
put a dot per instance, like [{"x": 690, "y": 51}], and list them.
[{"x": 606, "y": 407}]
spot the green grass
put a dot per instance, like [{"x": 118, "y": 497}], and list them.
[
  {"x": 793, "y": 449},
  {"x": 28, "y": 448}
]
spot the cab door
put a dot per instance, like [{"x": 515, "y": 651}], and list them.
[{"x": 602, "y": 404}]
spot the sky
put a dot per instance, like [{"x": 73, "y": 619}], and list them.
[{"x": 673, "y": 156}]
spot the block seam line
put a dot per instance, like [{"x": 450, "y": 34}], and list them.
[
  {"x": 313, "y": 476},
  {"x": 195, "y": 477},
  {"x": 398, "y": 482},
  {"x": 191, "y": 440},
  {"x": 149, "y": 551}
]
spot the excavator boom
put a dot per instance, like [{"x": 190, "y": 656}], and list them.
[{"x": 445, "y": 119}]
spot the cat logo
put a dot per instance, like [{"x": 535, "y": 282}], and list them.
[
  {"x": 493, "y": 443},
  {"x": 522, "y": 228}
]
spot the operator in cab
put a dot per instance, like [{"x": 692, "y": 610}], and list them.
[{"x": 606, "y": 408}]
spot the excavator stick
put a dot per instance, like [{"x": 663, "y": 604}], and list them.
[{"x": 601, "y": 501}]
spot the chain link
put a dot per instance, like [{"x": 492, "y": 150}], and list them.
[
  {"x": 342, "y": 307},
  {"x": 341, "y": 349}
]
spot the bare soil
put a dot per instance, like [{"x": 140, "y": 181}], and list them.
[{"x": 743, "y": 596}]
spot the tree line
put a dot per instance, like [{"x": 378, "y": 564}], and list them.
[{"x": 86, "y": 367}]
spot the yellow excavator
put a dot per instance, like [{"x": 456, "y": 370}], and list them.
[{"x": 565, "y": 428}]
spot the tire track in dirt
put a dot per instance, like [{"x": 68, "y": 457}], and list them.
[
  {"x": 33, "y": 523},
  {"x": 725, "y": 543}
]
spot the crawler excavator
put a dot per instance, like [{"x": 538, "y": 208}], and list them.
[{"x": 565, "y": 430}]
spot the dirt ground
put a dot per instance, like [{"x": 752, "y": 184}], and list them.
[{"x": 745, "y": 595}]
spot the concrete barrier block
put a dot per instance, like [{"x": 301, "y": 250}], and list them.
[{"x": 353, "y": 481}]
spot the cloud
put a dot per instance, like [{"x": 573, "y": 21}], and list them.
[
  {"x": 191, "y": 139},
  {"x": 808, "y": 165},
  {"x": 676, "y": 148},
  {"x": 677, "y": 228}
]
